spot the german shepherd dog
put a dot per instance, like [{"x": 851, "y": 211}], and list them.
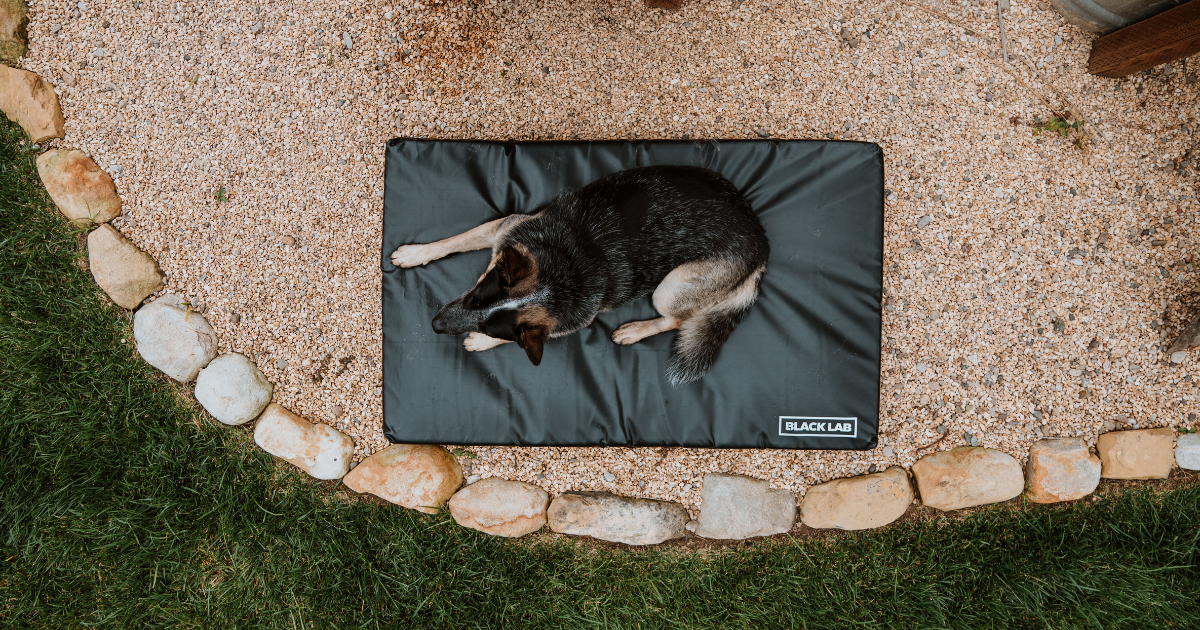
[{"x": 683, "y": 232}]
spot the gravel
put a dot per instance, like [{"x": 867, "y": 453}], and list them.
[{"x": 206, "y": 172}]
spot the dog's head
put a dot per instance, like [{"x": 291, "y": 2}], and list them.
[{"x": 506, "y": 304}]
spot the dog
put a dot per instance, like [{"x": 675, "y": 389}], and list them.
[{"x": 684, "y": 233}]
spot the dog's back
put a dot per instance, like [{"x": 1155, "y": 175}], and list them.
[
  {"x": 635, "y": 226},
  {"x": 620, "y": 237}
]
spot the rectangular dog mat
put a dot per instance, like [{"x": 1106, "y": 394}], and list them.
[{"x": 801, "y": 371}]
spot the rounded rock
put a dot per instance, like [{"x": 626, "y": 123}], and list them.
[
  {"x": 856, "y": 503},
  {"x": 318, "y": 449},
  {"x": 614, "y": 518},
  {"x": 1140, "y": 454},
  {"x": 14, "y": 36},
  {"x": 1187, "y": 451},
  {"x": 233, "y": 389},
  {"x": 967, "y": 476},
  {"x": 417, "y": 476},
  {"x": 736, "y": 507},
  {"x": 172, "y": 339},
  {"x": 127, "y": 274},
  {"x": 1061, "y": 470},
  {"x": 83, "y": 192},
  {"x": 30, "y": 101},
  {"x": 500, "y": 507}
]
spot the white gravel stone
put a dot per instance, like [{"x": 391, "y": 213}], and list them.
[
  {"x": 738, "y": 507},
  {"x": 172, "y": 339},
  {"x": 233, "y": 389},
  {"x": 1187, "y": 451},
  {"x": 317, "y": 449}
]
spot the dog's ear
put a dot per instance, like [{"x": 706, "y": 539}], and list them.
[
  {"x": 513, "y": 266},
  {"x": 531, "y": 338}
]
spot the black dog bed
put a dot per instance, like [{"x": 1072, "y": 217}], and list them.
[{"x": 801, "y": 371}]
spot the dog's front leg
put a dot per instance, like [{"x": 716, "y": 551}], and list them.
[
  {"x": 482, "y": 237},
  {"x": 478, "y": 342}
]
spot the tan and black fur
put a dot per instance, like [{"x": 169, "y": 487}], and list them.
[{"x": 684, "y": 233}]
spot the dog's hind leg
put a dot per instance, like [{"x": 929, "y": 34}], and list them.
[
  {"x": 482, "y": 237},
  {"x": 685, "y": 291},
  {"x": 705, "y": 300},
  {"x": 633, "y": 332}
]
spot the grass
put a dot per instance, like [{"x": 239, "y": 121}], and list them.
[
  {"x": 121, "y": 506},
  {"x": 1069, "y": 128}
]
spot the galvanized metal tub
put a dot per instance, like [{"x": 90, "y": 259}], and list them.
[{"x": 1105, "y": 16}]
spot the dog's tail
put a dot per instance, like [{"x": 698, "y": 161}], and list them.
[{"x": 701, "y": 336}]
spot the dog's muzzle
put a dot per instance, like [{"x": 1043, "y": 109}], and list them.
[{"x": 453, "y": 319}]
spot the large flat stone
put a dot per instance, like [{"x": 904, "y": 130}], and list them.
[
  {"x": 1061, "y": 470},
  {"x": 735, "y": 507},
  {"x": 14, "y": 39},
  {"x": 1187, "y": 451},
  {"x": 856, "y": 503},
  {"x": 967, "y": 476},
  {"x": 500, "y": 507},
  {"x": 127, "y": 274},
  {"x": 173, "y": 340},
  {"x": 79, "y": 187},
  {"x": 233, "y": 389},
  {"x": 417, "y": 476},
  {"x": 30, "y": 101},
  {"x": 617, "y": 519},
  {"x": 1141, "y": 454},
  {"x": 318, "y": 449}
]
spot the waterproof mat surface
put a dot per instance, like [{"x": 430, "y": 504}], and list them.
[{"x": 801, "y": 371}]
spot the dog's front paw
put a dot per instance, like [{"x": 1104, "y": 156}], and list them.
[
  {"x": 632, "y": 332},
  {"x": 478, "y": 342},
  {"x": 407, "y": 256}
]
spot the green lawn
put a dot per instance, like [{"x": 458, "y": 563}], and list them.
[{"x": 122, "y": 507}]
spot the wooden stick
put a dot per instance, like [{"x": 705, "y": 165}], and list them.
[
  {"x": 1170, "y": 35},
  {"x": 1003, "y": 38}
]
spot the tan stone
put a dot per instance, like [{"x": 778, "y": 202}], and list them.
[
  {"x": 318, "y": 449},
  {"x": 417, "y": 476},
  {"x": 14, "y": 39},
  {"x": 1061, "y": 470},
  {"x": 79, "y": 187},
  {"x": 127, "y": 274},
  {"x": 500, "y": 507},
  {"x": 615, "y": 518},
  {"x": 967, "y": 476},
  {"x": 736, "y": 507},
  {"x": 1141, "y": 454},
  {"x": 857, "y": 503},
  {"x": 30, "y": 101}
]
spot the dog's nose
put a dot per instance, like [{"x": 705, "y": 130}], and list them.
[{"x": 439, "y": 326}]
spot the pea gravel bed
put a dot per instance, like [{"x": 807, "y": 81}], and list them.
[{"x": 1033, "y": 279}]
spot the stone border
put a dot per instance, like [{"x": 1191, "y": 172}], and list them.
[{"x": 179, "y": 341}]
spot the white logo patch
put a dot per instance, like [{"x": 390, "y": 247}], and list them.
[{"x": 817, "y": 426}]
